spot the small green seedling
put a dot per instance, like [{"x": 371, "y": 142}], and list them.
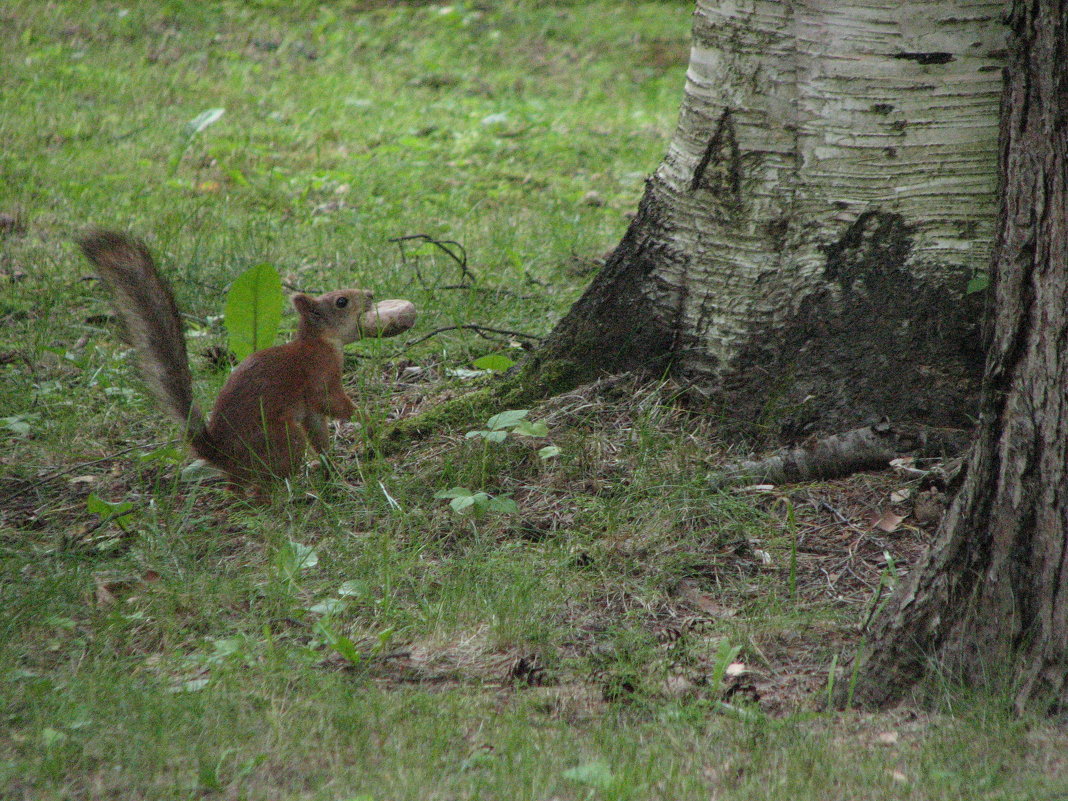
[
  {"x": 325, "y": 630},
  {"x": 166, "y": 454},
  {"x": 189, "y": 132},
  {"x": 463, "y": 500},
  {"x": 292, "y": 558},
  {"x": 328, "y": 634},
  {"x": 117, "y": 513},
  {"x": 514, "y": 421}
]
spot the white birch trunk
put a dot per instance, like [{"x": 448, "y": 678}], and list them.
[{"x": 828, "y": 194}]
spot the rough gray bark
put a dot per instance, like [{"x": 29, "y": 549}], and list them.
[
  {"x": 803, "y": 250},
  {"x": 989, "y": 602}
]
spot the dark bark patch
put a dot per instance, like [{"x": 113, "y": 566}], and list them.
[
  {"x": 926, "y": 58},
  {"x": 722, "y": 155},
  {"x": 777, "y": 231},
  {"x": 870, "y": 255},
  {"x": 875, "y": 342}
]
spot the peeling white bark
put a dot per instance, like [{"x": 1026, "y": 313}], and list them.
[{"x": 817, "y": 112}]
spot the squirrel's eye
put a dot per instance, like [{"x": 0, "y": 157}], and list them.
[{"x": 341, "y": 302}]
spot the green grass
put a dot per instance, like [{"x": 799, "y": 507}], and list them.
[{"x": 565, "y": 652}]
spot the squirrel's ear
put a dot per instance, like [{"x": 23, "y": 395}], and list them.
[{"x": 307, "y": 308}]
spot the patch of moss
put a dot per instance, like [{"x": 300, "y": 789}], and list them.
[
  {"x": 533, "y": 382},
  {"x": 445, "y": 416}
]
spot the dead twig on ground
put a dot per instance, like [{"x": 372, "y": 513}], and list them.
[{"x": 481, "y": 330}]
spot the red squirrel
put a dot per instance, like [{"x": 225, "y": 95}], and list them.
[{"x": 276, "y": 399}]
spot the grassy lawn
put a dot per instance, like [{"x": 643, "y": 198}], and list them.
[{"x": 628, "y": 633}]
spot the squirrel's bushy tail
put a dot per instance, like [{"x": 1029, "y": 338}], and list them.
[{"x": 144, "y": 301}]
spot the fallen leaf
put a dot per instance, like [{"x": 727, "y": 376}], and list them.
[
  {"x": 763, "y": 556},
  {"x": 900, "y": 496},
  {"x": 887, "y": 521},
  {"x": 82, "y": 480},
  {"x": 887, "y": 738},
  {"x": 104, "y": 595},
  {"x": 108, "y": 587},
  {"x": 735, "y": 669},
  {"x": 592, "y": 198},
  {"x": 691, "y": 594}
]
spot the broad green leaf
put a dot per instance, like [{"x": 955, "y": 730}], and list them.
[
  {"x": 305, "y": 555},
  {"x": 235, "y": 175},
  {"x": 725, "y": 654},
  {"x": 294, "y": 557},
  {"x": 505, "y": 506},
  {"x": 494, "y": 362},
  {"x": 197, "y": 470},
  {"x": 328, "y": 606},
  {"x": 227, "y": 646},
  {"x": 549, "y": 451},
  {"x": 384, "y": 637},
  {"x": 529, "y": 429},
  {"x": 506, "y": 419},
  {"x": 191, "y": 686},
  {"x": 462, "y": 502},
  {"x": 254, "y": 310},
  {"x": 51, "y": 737},
  {"x": 355, "y": 587},
  {"x": 455, "y": 492}
]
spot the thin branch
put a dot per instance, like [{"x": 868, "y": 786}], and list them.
[
  {"x": 79, "y": 466},
  {"x": 496, "y": 290},
  {"x": 478, "y": 329},
  {"x": 442, "y": 244}
]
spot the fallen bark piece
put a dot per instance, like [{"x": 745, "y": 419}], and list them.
[{"x": 838, "y": 455}]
